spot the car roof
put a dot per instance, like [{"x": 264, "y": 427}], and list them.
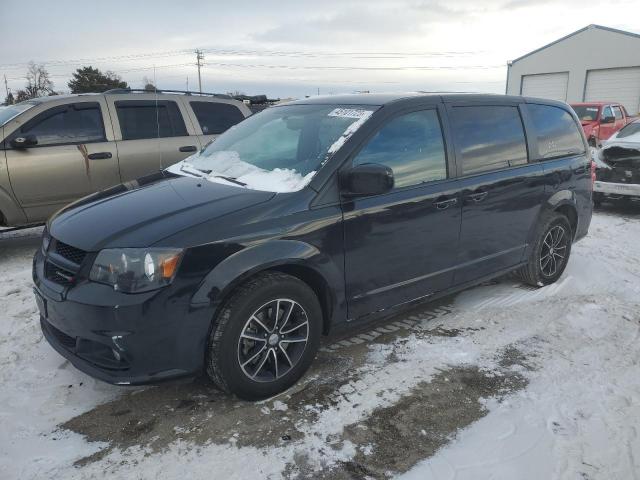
[
  {"x": 132, "y": 95},
  {"x": 380, "y": 99}
]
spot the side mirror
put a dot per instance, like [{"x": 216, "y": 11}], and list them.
[
  {"x": 25, "y": 141},
  {"x": 366, "y": 179},
  {"x": 608, "y": 120}
]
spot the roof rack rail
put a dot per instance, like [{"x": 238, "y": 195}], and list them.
[{"x": 184, "y": 92}]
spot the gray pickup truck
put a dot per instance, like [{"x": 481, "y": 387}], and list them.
[{"x": 57, "y": 149}]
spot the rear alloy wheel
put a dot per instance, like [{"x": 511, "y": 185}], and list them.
[
  {"x": 265, "y": 337},
  {"x": 553, "y": 256},
  {"x": 550, "y": 253}
]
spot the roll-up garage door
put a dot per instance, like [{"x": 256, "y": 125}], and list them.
[
  {"x": 546, "y": 85},
  {"x": 615, "y": 85}
]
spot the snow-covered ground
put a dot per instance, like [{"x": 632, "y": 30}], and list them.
[{"x": 500, "y": 382}]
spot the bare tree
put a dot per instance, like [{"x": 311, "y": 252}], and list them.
[
  {"x": 38, "y": 83},
  {"x": 149, "y": 86}
]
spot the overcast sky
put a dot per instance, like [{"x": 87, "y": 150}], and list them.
[{"x": 295, "y": 47}]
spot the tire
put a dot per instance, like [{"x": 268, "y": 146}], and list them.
[
  {"x": 539, "y": 270},
  {"x": 255, "y": 354}
]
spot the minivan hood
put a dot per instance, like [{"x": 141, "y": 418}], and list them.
[{"x": 139, "y": 214}]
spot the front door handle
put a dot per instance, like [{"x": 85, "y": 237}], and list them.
[
  {"x": 445, "y": 203},
  {"x": 477, "y": 196},
  {"x": 188, "y": 148},
  {"x": 99, "y": 156}
]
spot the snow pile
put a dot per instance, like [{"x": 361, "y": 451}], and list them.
[
  {"x": 228, "y": 164},
  {"x": 578, "y": 416},
  {"x": 40, "y": 389}
]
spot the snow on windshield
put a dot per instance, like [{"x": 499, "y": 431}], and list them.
[
  {"x": 230, "y": 170},
  {"x": 266, "y": 155}
]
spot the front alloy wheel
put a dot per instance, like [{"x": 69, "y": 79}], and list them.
[
  {"x": 265, "y": 336},
  {"x": 273, "y": 340}
]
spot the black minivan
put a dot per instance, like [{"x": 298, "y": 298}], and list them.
[{"x": 304, "y": 217}]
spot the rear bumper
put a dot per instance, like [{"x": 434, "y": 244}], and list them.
[{"x": 610, "y": 188}]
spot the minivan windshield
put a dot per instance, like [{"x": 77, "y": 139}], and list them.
[
  {"x": 279, "y": 149},
  {"x": 586, "y": 113},
  {"x": 11, "y": 111}
]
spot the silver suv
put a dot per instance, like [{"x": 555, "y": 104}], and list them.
[{"x": 55, "y": 150}]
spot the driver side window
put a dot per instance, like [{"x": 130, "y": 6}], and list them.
[
  {"x": 412, "y": 146},
  {"x": 606, "y": 112},
  {"x": 67, "y": 124}
]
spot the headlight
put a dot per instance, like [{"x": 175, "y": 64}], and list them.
[
  {"x": 133, "y": 270},
  {"x": 46, "y": 240}
]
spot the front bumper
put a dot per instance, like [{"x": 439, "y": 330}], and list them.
[
  {"x": 610, "y": 188},
  {"x": 122, "y": 338}
]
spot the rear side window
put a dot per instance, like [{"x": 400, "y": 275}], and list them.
[
  {"x": 617, "y": 112},
  {"x": 214, "y": 117},
  {"x": 489, "y": 137},
  {"x": 68, "y": 124},
  {"x": 557, "y": 132},
  {"x": 150, "y": 119},
  {"x": 412, "y": 146}
]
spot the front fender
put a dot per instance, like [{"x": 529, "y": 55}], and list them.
[{"x": 238, "y": 267}]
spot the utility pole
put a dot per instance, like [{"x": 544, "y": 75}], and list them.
[
  {"x": 199, "y": 58},
  {"x": 6, "y": 85}
]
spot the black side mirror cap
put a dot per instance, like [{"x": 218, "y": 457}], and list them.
[
  {"x": 366, "y": 179},
  {"x": 24, "y": 141},
  {"x": 608, "y": 120}
]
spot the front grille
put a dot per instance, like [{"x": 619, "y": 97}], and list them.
[
  {"x": 66, "y": 340},
  {"x": 58, "y": 275},
  {"x": 72, "y": 254}
]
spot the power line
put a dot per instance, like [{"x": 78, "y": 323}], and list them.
[
  {"x": 347, "y": 68},
  {"x": 246, "y": 52}
]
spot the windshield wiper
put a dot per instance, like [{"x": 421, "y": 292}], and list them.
[
  {"x": 231, "y": 179},
  {"x": 192, "y": 171}
]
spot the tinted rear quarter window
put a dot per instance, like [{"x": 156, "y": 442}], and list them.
[
  {"x": 556, "y": 131},
  {"x": 215, "y": 118},
  {"x": 141, "y": 119},
  {"x": 489, "y": 137}
]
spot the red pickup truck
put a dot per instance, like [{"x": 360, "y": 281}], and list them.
[{"x": 600, "y": 120}]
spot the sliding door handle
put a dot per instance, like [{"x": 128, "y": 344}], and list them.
[
  {"x": 478, "y": 196},
  {"x": 445, "y": 203},
  {"x": 188, "y": 148},
  {"x": 99, "y": 156}
]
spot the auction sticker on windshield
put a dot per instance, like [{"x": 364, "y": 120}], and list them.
[{"x": 349, "y": 113}]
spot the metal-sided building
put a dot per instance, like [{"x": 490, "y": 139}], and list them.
[{"x": 595, "y": 63}]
